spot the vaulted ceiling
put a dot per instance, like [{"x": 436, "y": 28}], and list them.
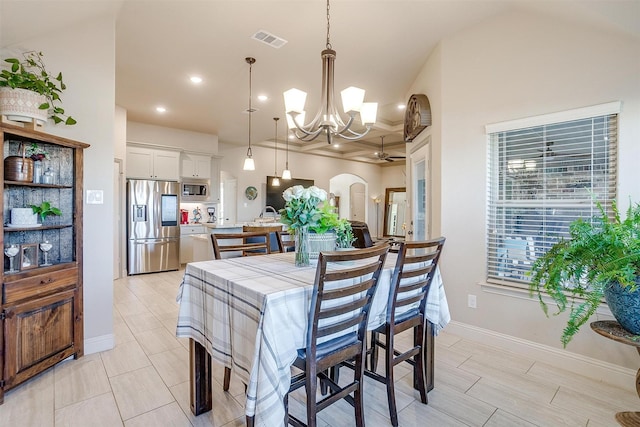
[{"x": 381, "y": 47}]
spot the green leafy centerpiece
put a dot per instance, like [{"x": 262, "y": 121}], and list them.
[
  {"x": 600, "y": 259},
  {"x": 306, "y": 210}
]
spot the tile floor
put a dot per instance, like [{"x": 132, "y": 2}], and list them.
[{"x": 144, "y": 381}]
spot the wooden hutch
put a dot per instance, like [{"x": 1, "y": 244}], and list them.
[{"x": 41, "y": 321}]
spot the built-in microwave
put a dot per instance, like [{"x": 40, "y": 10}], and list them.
[{"x": 195, "y": 191}]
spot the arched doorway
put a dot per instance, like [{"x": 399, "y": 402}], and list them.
[{"x": 341, "y": 187}]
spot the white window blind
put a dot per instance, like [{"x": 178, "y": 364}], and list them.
[{"x": 540, "y": 179}]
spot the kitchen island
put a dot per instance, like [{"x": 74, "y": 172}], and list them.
[{"x": 203, "y": 249}]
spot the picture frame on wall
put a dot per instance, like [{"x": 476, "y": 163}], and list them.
[{"x": 28, "y": 256}]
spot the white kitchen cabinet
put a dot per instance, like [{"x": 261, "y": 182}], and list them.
[
  {"x": 195, "y": 166},
  {"x": 151, "y": 163},
  {"x": 186, "y": 241},
  {"x": 214, "y": 186}
]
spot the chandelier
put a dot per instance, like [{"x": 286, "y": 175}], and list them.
[
  {"x": 328, "y": 121},
  {"x": 249, "y": 164}
]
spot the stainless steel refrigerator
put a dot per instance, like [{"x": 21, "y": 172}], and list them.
[{"x": 153, "y": 230}]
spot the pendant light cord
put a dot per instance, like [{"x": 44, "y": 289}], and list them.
[
  {"x": 250, "y": 61},
  {"x": 275, "y": 119}
]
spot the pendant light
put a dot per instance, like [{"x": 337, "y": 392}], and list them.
[
  {"x": 249, "y": 164},
  {"x": 275, "y": 182},
  {"x": 286, "y": 173}
]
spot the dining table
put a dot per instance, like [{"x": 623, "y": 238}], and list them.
[{"x": 250, "y": 314}]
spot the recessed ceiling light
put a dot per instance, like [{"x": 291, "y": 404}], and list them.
[
  {"x": 263, "y": 97},
  {"x": 161, "y": 109},
  {"x": 195, "y": 79},
  {"x": 401, "y": 106}
]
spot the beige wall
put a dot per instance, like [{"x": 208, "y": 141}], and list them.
[
  {"x": 85, "y": 54},
  {"x": 303, "y": 166},
  {"x": 509, "y": 67},
  {"x": 169, "y": 137}
]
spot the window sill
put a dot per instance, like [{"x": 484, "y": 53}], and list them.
[{"x": 516, "y": 290}]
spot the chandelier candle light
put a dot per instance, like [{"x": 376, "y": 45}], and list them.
[
  {"x": 275, "y": 181},
  {"x": 249, "y": 164},
  {"x": 328, "y": 121}
]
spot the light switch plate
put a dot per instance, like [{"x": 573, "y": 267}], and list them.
[{"x": 95, "y": 197}]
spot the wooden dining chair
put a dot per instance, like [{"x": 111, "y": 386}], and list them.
[
  {"x": 286, "y": 241},
  {"x": 342, "y": 293},
  {"x": 410, "y": 284},
  {"x": 241, "y": 244}
]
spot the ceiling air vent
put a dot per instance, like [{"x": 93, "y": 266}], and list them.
[{"x": 268, "y": 38}]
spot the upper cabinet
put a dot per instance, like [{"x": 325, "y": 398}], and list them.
[
  {"x": 152, "y": 163},
  {"x": 195, "y": 166}
]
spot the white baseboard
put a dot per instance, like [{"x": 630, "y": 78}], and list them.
[
  {"x": 98, "y": 344},
  {"x": 582, "y": 365}
]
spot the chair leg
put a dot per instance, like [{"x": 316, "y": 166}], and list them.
[
  {"x": 311, "y": 388},
  {"x": 373, "y": 360},
  {"x": 285, "y": 400},
  {"x": 357, "y": 394},
  {"x": 418, "y": 340},
  {"x": 391, "y": 392},
  {"x": 227, "y": 379}
]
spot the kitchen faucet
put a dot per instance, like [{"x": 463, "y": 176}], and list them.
[{"x": 267, "y": 208}]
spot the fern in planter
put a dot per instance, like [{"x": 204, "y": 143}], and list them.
[{"x": 576, "y": 272}]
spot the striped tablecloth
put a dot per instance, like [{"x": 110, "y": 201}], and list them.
[{"x": 250, "y": 313}]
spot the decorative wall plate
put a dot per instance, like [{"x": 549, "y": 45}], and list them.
[{"x": 251, "y": 193}]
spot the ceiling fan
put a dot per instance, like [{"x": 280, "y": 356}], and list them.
[
  {"x": 575, "y": 152},
  {"x": 381, "y": 155}
]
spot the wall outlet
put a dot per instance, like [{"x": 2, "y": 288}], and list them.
[{"x": 471, "y": 301}]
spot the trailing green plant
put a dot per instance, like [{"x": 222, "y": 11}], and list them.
[
  {"x": 344, "y": 234},
  {"x": 576, "y": 271},
  {"x": 45, "y": 209},
  {"x": 31, "y": 74}
]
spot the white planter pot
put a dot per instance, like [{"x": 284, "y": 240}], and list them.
[
  {"x": 21, "y": 105},
  {"x": 23, "y": 217}
]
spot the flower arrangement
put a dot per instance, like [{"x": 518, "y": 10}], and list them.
[
  {"x": 36, "y": 152},
  {"x": 307, "y": 208}
]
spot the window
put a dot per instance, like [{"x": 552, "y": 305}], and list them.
[{"x": 544, "y": 173}]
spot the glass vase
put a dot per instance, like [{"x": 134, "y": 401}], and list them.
[{"x": 302, "y": 247}]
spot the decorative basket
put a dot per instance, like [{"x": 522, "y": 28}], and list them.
[{"x": 325, "y": 242}]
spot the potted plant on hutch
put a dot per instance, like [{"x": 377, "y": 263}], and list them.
[
  {"x": 29, "y": 93},
  {"x": 601, "y": 259}
]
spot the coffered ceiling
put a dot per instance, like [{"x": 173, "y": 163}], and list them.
[{"x": 381, "y": 47}]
